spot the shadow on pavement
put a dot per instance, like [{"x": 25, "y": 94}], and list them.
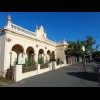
[{"x": 86, "y": 76}]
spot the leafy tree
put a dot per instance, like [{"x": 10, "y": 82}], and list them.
[
  {"x": 89, "y": 44},
  {"x": 75, "y": 48},
  {"x": 70, "y": 49},
  {"x": 96, "y": 54}
]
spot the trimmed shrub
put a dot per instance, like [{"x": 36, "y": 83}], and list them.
[
  {"x": 27, "y": 69},
  {"x": 42, "y": 66},
  {"x": 40, "y": 61},
  {"x": 29, "y": 65}
]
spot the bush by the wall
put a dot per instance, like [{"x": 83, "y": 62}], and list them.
[{"x": 29, "y": 65}]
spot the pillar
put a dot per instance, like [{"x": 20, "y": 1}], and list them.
[{"x": 18, "y": 73}]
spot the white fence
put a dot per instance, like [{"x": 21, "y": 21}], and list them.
[{"x": 18, "y": 75}]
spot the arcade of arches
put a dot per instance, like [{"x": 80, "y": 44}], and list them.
[
  {"x": 18, "y": 44},
  {"x": 18, "y": 54}
]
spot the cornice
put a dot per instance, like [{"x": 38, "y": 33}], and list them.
[{"x": 24, "y": 36}]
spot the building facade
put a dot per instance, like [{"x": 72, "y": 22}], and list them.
[{"x": 18, "y": 44}]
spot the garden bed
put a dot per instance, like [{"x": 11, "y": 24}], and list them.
[
  {"x": 28, "y": 69},
  {"x": 42, "y": 66}
]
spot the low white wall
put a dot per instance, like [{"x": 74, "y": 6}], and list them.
[
  {"x": 44, "y": 70},
  {"x": 38, "y": 71},
  {"x": 29, "y": 74},
  {"x": 50, "y": 66},
  {"x": 54, "y": 65},
  {"x": 58, "y": 66},
  {"x": 61, "y": 65},
  {"x": 18, "y": 75}
]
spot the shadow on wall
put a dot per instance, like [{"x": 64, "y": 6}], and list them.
[{"x": 86, "y": 76}]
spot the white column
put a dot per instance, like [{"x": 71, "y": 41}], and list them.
[
  {"x": 18, "y": 73},
  {"x": 36, "y": 55},
  {"x": 65, "y": 63},
  {"x": 45, "y": 54},
  {"x": 50, "y": 66},
  {"x": 38, "y": 69},
  {"x": 53, "y": 64}
]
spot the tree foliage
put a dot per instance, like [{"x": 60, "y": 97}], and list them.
[
  {"x": 75, "y": 48},
  {"x": 89, "y": 44}
]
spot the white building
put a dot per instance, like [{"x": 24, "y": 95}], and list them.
[{"x": 17, "y": 43}]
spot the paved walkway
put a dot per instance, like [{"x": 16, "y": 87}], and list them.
[{"x": 69, "y": 76}]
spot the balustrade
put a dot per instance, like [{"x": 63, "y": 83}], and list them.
[{"x": 18, "y": 28}]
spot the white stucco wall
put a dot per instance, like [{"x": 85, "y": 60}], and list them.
[
  {"x": 25, "y": 43},
  {"x": 29, "y": 74},
  {"x": 20, "y": 36},
  {"x": 2, "y": 50},
  {"x": 60, "y": 53}
]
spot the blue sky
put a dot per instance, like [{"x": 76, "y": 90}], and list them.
[{"x": 58, "y": 25}]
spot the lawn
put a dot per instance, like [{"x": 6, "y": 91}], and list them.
[{"x": 5, "y": 81}]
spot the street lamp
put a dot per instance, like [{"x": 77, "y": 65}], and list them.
[{"x": 83, "y": 48}]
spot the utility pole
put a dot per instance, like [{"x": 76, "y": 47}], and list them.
[
  {"x": 84, "y": 63},
  {"x": 83, "y": 48}
]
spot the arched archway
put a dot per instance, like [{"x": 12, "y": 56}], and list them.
[
  {"x": 53, "y": 55},
  {"x": 41, "y": 56},
  {"x": 41, "y": 51},
  {"x": 48, "y": 55},
  {"x": 49, "y": 52},
  {"x": 17, "y": 48},
  {"x": 30, "y": 52},
  {"x": 17, "y": 56}
]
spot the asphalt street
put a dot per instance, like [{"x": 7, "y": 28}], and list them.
[{"x": 68, "y": 76}]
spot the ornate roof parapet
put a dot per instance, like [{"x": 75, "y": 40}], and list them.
[
  {"x": 20, "y": 29},
  {"x": 54, "y": 42},
  {"x": 41, "y": 27},
  {"x": 64, "y": 42},
  {"x": 14, "y": 27},
  {"x": 41, "y": 33}
]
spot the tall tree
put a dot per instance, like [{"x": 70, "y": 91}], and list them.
[
  {"x": 71, "y": 48},
  {"x": 89, "y": 42},
  {"x": 75, "y": 48}
]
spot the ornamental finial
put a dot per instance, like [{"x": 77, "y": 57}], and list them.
[
  {"x": 63, "y": 39},
  {"x": 9, "y": 18},
  {"x": 36, "y": 27}
]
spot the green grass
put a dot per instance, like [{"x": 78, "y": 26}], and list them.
[{"x": 5, "y": 81}]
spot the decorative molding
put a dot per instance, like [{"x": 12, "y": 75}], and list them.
[
  {"x": 8, "y": 39},
  {"x": 37, "y": 46},
  {"x": 26, "y": 37},
  {"x": 52, "y": 43}
]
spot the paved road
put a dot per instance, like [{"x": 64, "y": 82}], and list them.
[{"x": 69, "y": 76}]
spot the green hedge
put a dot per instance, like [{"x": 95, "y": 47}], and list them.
[
  {"x": 29, "y": 65},
  {"x": 27, "y": 69},
  {"x": 42, "y": 66}
]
